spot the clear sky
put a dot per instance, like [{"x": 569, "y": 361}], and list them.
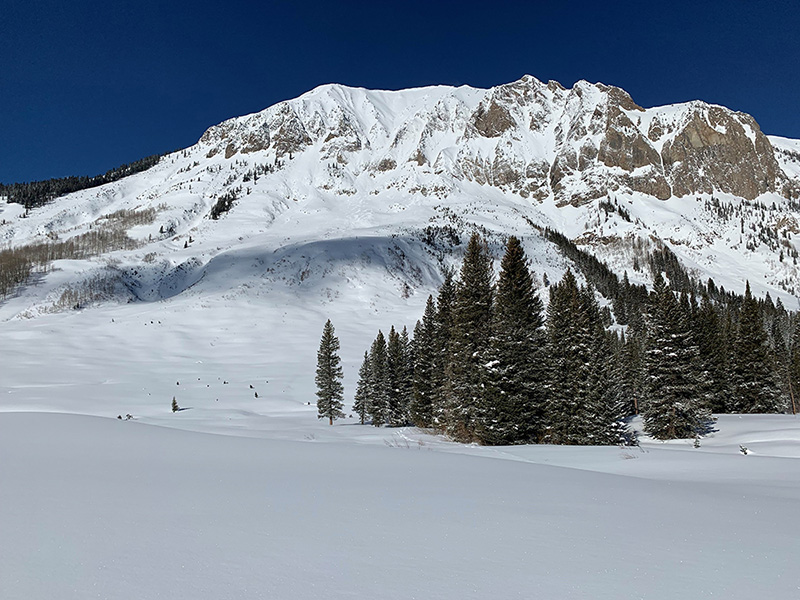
[{"x": 88, "y": 85}]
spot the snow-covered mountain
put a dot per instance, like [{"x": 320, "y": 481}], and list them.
[
  {"x": 341, "y": 177},
  {"x": 348, "y": 202}
]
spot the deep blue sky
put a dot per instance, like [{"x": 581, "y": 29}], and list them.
[{"x": 86, "y": 85}]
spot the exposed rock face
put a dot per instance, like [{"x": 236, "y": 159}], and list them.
[
  {"x": 529, "y": 138},
  {"x": 720, "y": 150}
]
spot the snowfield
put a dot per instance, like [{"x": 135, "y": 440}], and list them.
[
  {"x": 245, "y": 497},
  {"x": 101, "y": 508}
]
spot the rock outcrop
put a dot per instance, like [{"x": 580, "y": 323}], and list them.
[{"x": 529, "y": 138}]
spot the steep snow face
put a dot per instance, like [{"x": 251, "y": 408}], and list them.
[{"x": 352, "y": 195}]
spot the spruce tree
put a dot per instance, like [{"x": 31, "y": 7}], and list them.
[
  {"x": 361, "y": 402},
  {"x": 673, "y": 407},
  {"x": 406, "y": 378},
  {"x": 442, "y": 332},
  {"x": 330, "y": 391},
  {"x": 580, "y": 407},
  {"x": 754, "y": 379},
  {"x": 708, "y": 330},
  {"x": 515, "y": 389},
  {"x": 380, "y": 385},
  {"x": 398, "y": 378},
  {"x": 794, "y": 367},
  {"x": 425, "y": 355},
  {"x": 472, "y": 312}
]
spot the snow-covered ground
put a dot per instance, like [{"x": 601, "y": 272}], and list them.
[
  {"x": 241, "y": 496},
  {"x": 101, "y": 508}
]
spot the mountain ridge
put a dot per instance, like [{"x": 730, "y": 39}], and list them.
[{"x": 388, "y": 172}]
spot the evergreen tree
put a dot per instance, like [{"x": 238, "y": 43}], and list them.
[
  {"x": 754, "y": 380},
  {"x": 603, "y": 409},
  {"x": 330, "y": 390},
  {"x": 672, "y": 408},
  {"x": 713, "y": 357},
  {"x": 794, "y": 367},
  {"x": 580, "y": 408},
  {"x": 398, "y": 378},
  {"x": 472, "y": 312},
  {"x": 442, "y": 332},
  {"x": 361, "y": 402},
  {"x": 623, "y": 390},
  {"x": 425, "y": 355},
  {"x": 406, "y": 377},
  {"x": 380, "y": 385},
  {"x": 631, "y": 365},
  {"x": 515, "y": 387}
]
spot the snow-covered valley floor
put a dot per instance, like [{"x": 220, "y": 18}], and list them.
[{"x": 241, "y": 496}]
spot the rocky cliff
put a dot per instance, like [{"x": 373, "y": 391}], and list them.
[{"x": 529, "y": 138}]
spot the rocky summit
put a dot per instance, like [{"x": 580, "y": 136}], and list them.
[{"x": 529, "y": 138}]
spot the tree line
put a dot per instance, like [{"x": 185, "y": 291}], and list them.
[
  {"x": 33, "y": 194},
  {"x": 488, "y": 364}
]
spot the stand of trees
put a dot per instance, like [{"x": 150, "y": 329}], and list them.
[
  {"x": 37, "y": 193},
  {"x": 487, "y": 365},
  {"x": 108, "y": 233}
]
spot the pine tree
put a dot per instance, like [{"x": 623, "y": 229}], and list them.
[
  {"x": 330, "y": 390},
  {"x": 515, "y": 387},
  {"x": 175, "y": 407},
  {"x": 361, "y": 401},
  {"x": 423, "y": 394},
  {"x": 472, "y": 312},
  {"x": 380, "y": 386},
  {"x": 754, "y": 380},
  {"x": 673, "y": 407}
]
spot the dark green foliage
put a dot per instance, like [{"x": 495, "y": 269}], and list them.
[
  {"x": 330, "y": 391},
  {"x": 39, "y": 193},
  {"x": 673, "y": 406},
  {"x": 594, "y": 270},
  {"x": 754, "y": 381},
  {"x": 794, "y": 367},
  {"x": 380, "y": 387},
  {"x": 443, "y": 333},
  {"x": 224, "y": 203},
  {"x": 515, "y": 395},
  {"x": 175, "y": 407},
  {"x": 399, "y": 378},
  {"x": 472, "y": 313},
  {"x": 713, "y": 356},
  {"x": 580, "y": 407},
  {"x": 476, "y": 370},
  {"x": 361, "y": 401},
  {"x": 425, "y": 356}
]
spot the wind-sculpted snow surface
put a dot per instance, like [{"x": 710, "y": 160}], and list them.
[{"x": 104, "y": 508}]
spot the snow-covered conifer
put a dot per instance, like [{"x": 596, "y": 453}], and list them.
[{"x": 330, "y": 391}]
